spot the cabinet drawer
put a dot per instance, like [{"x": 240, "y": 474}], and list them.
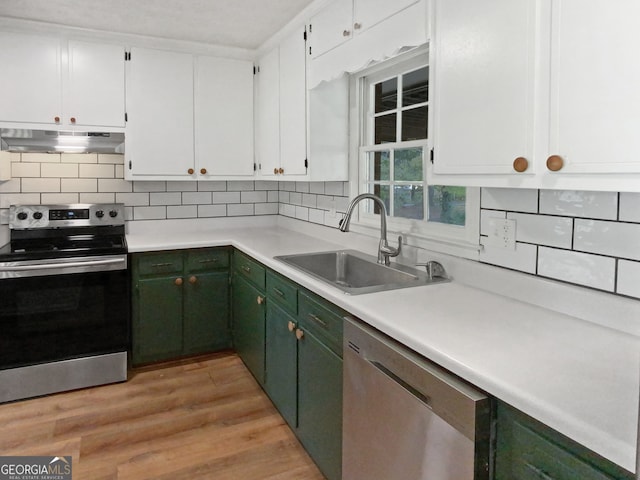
[
  {"x": 324, "y": 321},
  {"x": 249, "y": 269},
  {"x": 159, "y": 263},
  {"x": 207, "y": 259},
  {"x": 283, "y": 292}
]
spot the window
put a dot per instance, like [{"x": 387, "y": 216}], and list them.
[{"x": 392, "y": 152}]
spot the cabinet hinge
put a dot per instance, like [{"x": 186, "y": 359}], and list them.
[
  {"x": 304, "y": 35},
  {"x": 255, "y": 167},
  {"x": 306, "y": 163},
  {"x": 259, "y": 166},
  {"x": 130, "y": 165},
  {"x": 431, "y": 156},
  {"x": 254, "y": 70},
  {"x": 126, "y": 117},
  {"x": 309, "y": 50},
  {"x": 310, "y": 28},
  {"x": 127, "y": 56}
]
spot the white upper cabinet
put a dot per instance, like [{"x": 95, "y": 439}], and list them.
[
  {"x": 281, "y": 120},
  {"x": 223, "y": 117},
  {"x": 95, "y": 93},
  {"x": 535, "y": 94},
  {"x": 341, "y": 20},
  {"x": 55, "y": 82},
  {"x": 31, "y": 79},
  {"x": 159, "y": 133}
]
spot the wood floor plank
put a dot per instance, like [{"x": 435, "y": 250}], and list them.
[{"x": 193, "y": 419}]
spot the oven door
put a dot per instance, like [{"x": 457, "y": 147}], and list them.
[{"x": 68, "y": 309}]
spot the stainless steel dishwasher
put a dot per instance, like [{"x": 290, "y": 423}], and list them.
[{"x": 406, "y": 418}]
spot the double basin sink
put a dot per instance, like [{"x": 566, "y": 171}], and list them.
[{"x": 356, "y": 273}]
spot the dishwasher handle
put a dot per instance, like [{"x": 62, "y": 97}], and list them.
[{"x": 425, "y": 399}]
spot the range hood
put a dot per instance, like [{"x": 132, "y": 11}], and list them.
[{"x": 50, "y": 141}]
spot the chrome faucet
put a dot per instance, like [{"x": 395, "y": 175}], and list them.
[{"x": 384, "y": 250}]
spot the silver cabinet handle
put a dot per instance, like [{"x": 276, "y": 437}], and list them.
[{"x": 317, "y": 319}]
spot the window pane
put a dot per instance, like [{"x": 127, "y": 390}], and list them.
[
  {"x": 378, "y": 166},
  {"x": 414, "y": 124},
  {"x": 408, "y": 201},
  {"x": 415, "y": 87},
  {"x": 386, "y": 95},
  {"x": 381, "y": 191},
  {"x": 385, "y": 128},
  {"x": 447, "y": 205},
  {"x": 407, "y": 165}
]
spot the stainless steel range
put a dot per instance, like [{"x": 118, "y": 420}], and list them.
[{"x": 64, "y": 299}]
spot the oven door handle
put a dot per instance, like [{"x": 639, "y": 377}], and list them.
[{"x": 63, "y": 267}]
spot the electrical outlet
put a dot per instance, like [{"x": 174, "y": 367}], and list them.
[
  {"x": 501, "y": 232},
  {"x": 332, "y": 208}
]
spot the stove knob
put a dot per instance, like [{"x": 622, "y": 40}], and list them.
[
  {"x": 113, "y": 213},
  {"x": 37, "y": 215},
  {"x": 100, "y": 213},
  {"x": 22, "y": 216}
]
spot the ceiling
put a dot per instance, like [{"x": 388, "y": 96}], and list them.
[{"x": 235, "y": 23}]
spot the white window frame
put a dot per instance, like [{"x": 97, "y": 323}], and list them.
[{"x": 452, "y": 239}]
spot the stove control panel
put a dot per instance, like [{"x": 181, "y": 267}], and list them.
[{"x": 59, "y": 216}]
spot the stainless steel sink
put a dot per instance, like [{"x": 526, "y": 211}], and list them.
[{"x": 356, "y": 273}]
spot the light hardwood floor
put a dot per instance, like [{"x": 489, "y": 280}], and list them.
[{"x": 205, "y": 418}]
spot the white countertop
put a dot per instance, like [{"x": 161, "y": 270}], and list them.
[{"x": 578, "y": 377}]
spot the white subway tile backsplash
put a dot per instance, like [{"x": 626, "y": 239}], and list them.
[
  {"x": 287, "y": 186},
  {"x": 181, "y": 186},
  {"x": 266, "y": 208},
  {"x": 629, "y": 278},
  {"x": 302, "y": 213},
  {"x": 212, "y": 210},
  {"x": 79, "y": 158},
  {"x": 41, "y": 157},
  {"x": 511, "y": 199},
  {"x": 97, "y": 171},
  {"x": 226, "y": 197},
  {"x": 614, "y": 239},
  {"x": 6, "y": 200},
  {"x": 287, "y": 210},
  {"x": 265, "y": 185},
  {"x": 114, "y": 185},
  {"x": 316, "y": 216},
  {"x": 57, "y": 198},
  {"x": 133, "y": 199},
  {"x": 119, "y": 171},
  {"x": 543, "y": 229},
  {"x": 273, "y": 196},
  {"x": 325, "y": 202},
  {"x": 240, "y": 209},
  {"x": 630, "y": 207},
  {"x": 485, "y": 219},
  {"x": 239, "y": 186},
  {"x": 154, "y": 186},
  {"x": 113, "y": 158},
  {"x": 342, "y": 203},
  {"x": 97, "y": 197},
  {"x": 165, "y": 198},
  {"x": 212, "y": 186},
  {"x": 575, "y": 267},
  {"x": 59, "y": 170},
  {"x": 21, "y": 169},
  {"x": 523, "y": 258},
  {"x": 196, "y": 198},
  {"x": 41, "y": 185},
  {"x": 182, "y": 211},
  {"x": 284, "y": 197},
  {"x": 149, "y": 213},
  {"x": 302, "y": 187},
  {"x": 309, "y": 200},
  {"x": 253, "y": 197},
  {"x": 316, "y": 187},
  {"x": 10, "y": 186},
  {"x": 601, "y": 205},
  {"x": 295, "y": 198},
  {"x": 334, "y": 188}
]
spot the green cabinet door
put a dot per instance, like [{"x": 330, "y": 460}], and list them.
[
  {"x": 320, "y": 404},
  {"x": 157, "y": 329},
  {"x": 281, "y": 362},
  {"x": 249, "y": 325},
  {"x": 206, "y": 312}
]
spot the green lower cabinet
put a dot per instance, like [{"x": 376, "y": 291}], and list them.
[
  {"x": 529, "y": 450},
  {"x": 249, "y": 325},
  {"x": 180, "y": 304},
  {"x": 320, "y": 404},
  {"x": 282, "y": 362}
]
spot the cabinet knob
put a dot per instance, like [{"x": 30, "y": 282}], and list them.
[
  {"x": 260, "y": 300},
  {"x": 275, "y": 171},
  {"x": 291, "y": 326},
  {"x": 346, "y": 33},
  {"x": 72, "y": 119},
  {"x": 203, "y": 171},
  {"x": 56, "y": 119},
  {"x": 299, "y": 334},
  {"x": 190, "y": 171},
  {"x": 357, "y": 26},
  {"x": 193, "y": 279},
  {"x": 520, "y": 164},
  {"x": 281, "y": 171},
  {"x": 555, "y": 163},
  {"x": 178, "y": 281}
]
